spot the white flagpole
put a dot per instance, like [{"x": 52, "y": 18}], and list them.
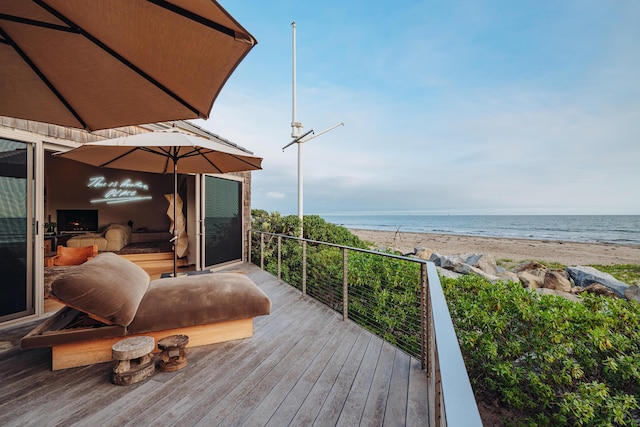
[{"x": 296, "y": 127}]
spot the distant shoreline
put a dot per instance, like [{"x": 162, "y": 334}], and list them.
[
  {"x": 564, "y": 252},
  {"x": 614, "y": 229}
]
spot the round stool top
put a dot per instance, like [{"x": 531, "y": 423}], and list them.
[
  {"x": 132, "y": 348},
  {"x": 173, "y": 341}
]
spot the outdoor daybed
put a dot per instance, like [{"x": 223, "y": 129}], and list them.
[{"x": 109, "y": 298}]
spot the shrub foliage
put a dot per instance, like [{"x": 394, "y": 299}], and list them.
[{"x": 560, "y": 362}]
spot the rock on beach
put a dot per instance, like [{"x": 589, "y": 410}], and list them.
[{"x": 567, "y": 253}]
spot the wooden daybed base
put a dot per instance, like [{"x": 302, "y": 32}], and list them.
[
  {"x": 109, "y": 298},
  {"x": 83, "y": 351}
]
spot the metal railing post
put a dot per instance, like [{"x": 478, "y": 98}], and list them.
[
  {"x": 279, "y": 257},
  {"x": 261, "y": 251},
  {"x": 424, "y": 316},
  {"x": 249, "y": 245},
  {"x": 304, "y": 267},
  {"x": 345, "y": 286}
]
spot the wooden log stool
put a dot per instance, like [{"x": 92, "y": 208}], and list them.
[
  {"x": 135, "y": 360},
  {"x": 174, "y": 353}
]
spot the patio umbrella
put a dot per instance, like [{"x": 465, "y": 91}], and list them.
[
  {"x": 107, "y": 63},
  {"x": 169, "y": 151}
]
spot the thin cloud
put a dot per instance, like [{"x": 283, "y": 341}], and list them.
[{"x": 522, "y": 108}]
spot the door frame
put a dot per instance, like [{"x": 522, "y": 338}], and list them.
[
  {"x": 200, "y": 214},
  {"x": 35, "y": 205}
]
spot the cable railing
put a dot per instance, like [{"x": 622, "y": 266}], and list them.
[{"x": 399, "y": 299}]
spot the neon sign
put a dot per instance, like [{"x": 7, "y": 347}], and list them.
[{"x": 118, "y": 191}]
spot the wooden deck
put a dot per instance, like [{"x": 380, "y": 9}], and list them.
[{"x": 304, "y": 366}]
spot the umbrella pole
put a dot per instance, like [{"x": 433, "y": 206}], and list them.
[{"x": 175, "y": 218}]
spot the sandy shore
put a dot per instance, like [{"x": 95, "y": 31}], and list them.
[{"x": 567, "y": 253}]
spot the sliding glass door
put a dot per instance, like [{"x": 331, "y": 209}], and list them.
[
  {"x": 222, "y": 234},
  {"x": 16, "y": 230}
]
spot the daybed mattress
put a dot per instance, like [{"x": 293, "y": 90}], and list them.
[{"x": 119, "y": 296}]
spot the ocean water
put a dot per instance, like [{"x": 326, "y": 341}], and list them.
[{"x": 618, "y": 229}]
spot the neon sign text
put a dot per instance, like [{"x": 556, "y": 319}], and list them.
[{"x": 118, "y": 191}]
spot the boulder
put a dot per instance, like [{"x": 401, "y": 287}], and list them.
[
  {"x": 564, "y": 274},
  {"x": 486, "y": 263},
  {"x": 528, "y": 266},
  {"x": 468, "y": 269},
  {"x": 632, "y": 293},
  {"x": 423, "y": 253},
  {"x": 448, "y": 261},
  {"x": 447, "y": 273},
  {"x": 566, "y": 295},
  {"x": 509, "y": 276},
  {"x": 585, "y": 276},
  {"x": 472, "y": 259},
  {"x": 554, "y": 279},
  {"x": 539, "y": 272},
  {"x": 435, "y": 258},
  {"x": 529, "y": 280},
  {"x": 600, "y": 289}
]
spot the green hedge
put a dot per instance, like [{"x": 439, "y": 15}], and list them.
[{"x": 557, "y": 361}]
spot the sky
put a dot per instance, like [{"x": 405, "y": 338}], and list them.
[{"x": 456, "y": 107}]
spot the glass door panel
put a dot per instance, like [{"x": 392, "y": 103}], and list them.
[
  {"x": 16, "y": 229},
  {"x": 222, "y": 236}
]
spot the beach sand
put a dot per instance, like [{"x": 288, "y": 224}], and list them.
[{"x": 567, "y": 253}]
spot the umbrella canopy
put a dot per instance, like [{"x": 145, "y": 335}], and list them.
[
  {"x": 107, "y": 63},
  {"x": 168, "y": 151},
  {"x": 160, "y": 151}
]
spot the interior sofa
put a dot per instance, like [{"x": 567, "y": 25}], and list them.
[
  {"x": 110, "y": 298},
  {"x": 113, "y": 238}
]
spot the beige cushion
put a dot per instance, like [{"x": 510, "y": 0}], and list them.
[
  {"x": 118, "y": 236},
  {"x": 88, "y": 240},
  {"x": 108, "y": 287}
]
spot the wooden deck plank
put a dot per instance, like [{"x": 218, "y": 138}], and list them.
[
  {"x": 308, "y": 389},
  {"x": 272, "y": 389},
  {"x": 351, "y": 413},
  {"x": 374, "y": 409},
  {"x": 112, "y": 414},
  {"x": 334, "y": 403},
  {"x": 320, "y": 389},
  {"x": 315, "y": 355},
  {"x": 251, "y": 353},
  {"x": 38, "y": 393},
  {"x": 396, "y": 411},
  {"x": 418, "y": 397},
  {"x": 303, "y": 366},
  {"x": 247, "y": 393}
]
